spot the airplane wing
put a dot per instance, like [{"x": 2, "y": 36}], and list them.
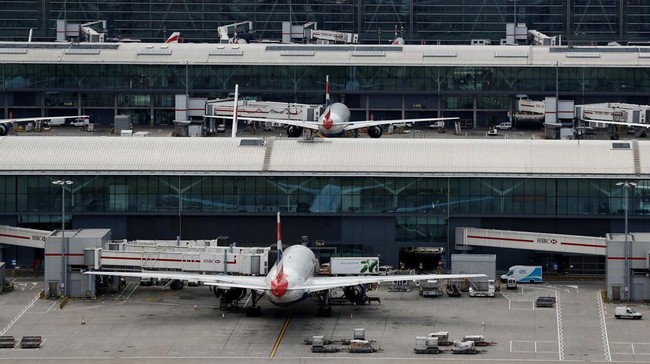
[
  {"x": 322, "y": 283},
  {"x": 5, "y": 121},
  {"x": 301, "y": 123},
  {"x": 225, "y": 281},
  {"x": 352, "y": 125},
  {"x": 640, "y": 125}
]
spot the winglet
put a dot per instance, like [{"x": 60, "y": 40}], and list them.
[{"x": 279, "y": 243}]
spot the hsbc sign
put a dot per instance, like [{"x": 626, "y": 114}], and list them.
[{"x": 546, "y": 241}]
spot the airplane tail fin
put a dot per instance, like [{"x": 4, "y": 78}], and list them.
[
  {"x": 279, "y": 243},
  {"x": 328, "y": 101},
  {"x": 173, "y": 38}
]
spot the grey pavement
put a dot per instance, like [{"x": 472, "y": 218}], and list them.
[{"x": 147, "y": 324}]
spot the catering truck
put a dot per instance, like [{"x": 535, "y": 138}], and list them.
[
  {"x": 354, "y": 265},
  {"x": 524, "y": 274}
]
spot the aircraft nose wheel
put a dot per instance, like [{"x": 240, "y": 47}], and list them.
[{"x": 324, "y": 305}]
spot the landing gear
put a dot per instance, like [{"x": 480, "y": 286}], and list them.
[
  {"x": 176, "y": 285},
  {"x": 324, "y": 304},
  {"x": 254, "y": 310}
]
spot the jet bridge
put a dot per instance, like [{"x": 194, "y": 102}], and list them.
[
  {"x": 223, "y": 108},
  {"x": 224, "y": 32},
  {"x": 333, "y": 37},
  {"x": 67, "y": 258},
  {"x": 556, "y": 243},
  {"x": 203, "y": 256},
  {"x": 603, "y": 115},
  {"x": 31, "y": 238}
]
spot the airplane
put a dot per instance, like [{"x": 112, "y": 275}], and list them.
[
  {"x": 290, "y": 280},
  {"x": 7, "y": 124},
  {"x": 335, "y": 121}
]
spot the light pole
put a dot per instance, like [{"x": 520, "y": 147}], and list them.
[
  {"x": 626, "y": 250},
  {"x": 557, "y": 80},
  {"x": 64, "y": 245}
]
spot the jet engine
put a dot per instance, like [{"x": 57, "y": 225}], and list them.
[
  {"x": 356, "y": 294},
  {"x": 4, "y": 128},
  {"x": 375, "y": 131},
  {"x": 294, "y": 131}
]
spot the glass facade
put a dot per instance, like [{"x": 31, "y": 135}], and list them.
[
  {"x": 419, "y": 205},
  {"x": 147, "y": 91},
  {"x": 416, "y": 21}
]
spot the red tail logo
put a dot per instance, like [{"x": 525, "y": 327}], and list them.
[
  {"x": 279, "y": 284},
  {"x": 327, "y": 120}
]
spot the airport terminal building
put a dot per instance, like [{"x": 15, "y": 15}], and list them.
[
  {"x": 347, "y": 196},
  {"x": 479, "y": 84},
  {"x": 416, "y": 21}
]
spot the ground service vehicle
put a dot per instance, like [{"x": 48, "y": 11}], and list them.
[
  {"x": 504, "y": 126},
  {"x": 429, "y": 288},
  {"x": 543, "y": 301},
  {"x": 524, "y": 274},
  {"x": 79, "y": 122},
  {"x": 483, "y": 289},
  {"x": 626, "y": 312},
  {"x": 56, "y": 122},
  {"x": 354, "y": 265}
]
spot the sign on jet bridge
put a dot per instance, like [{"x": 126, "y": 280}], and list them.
[
  {"x": 559, "y": 243},
  {"x": 546, "y": 241}
]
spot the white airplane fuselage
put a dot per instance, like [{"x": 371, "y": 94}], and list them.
[
  {"x": 334, "y": 119},
  {"x": 298, "y": 266}
]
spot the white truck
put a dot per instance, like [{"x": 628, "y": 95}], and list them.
[
  {"x": 354, "y": 265},
  {"x": 626, "y": 312},
  {"x": 483, "y": 289},
  {"x": 524, "y": 274}
]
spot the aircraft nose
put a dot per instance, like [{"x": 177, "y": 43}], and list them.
[{"x": 327, "y": 123}]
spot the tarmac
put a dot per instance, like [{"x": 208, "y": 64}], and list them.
[{"x": 152, "y": 325}]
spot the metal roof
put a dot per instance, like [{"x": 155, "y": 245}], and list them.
[
  {"x": 337, "y": 55},
  {"x": 39, "y": 155}
]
